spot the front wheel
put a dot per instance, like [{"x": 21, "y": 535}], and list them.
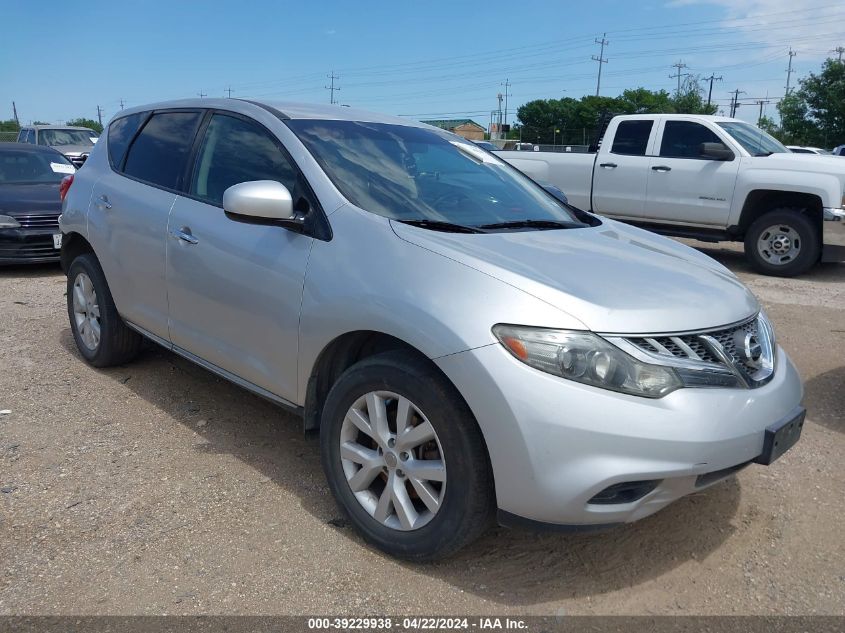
[
  {"x": 405, "y": 459},
  {"x": 784, "y": 242}
]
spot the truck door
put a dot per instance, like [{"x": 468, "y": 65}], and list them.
[
  {"x": 686, "y": 187},
  {"x": 620, "y": 175}
]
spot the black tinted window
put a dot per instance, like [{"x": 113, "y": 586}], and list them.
[
  {"x": 121, "y": 132},
  {"x": 160, "y": 151},
  {"x": 683, "y": 139},
  {"x": 234, "y": 151},
  {"x": 632, "y": 138}
]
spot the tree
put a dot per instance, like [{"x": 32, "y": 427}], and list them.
[
  {"x": 9, "y": 125},
  {"x": 815, "y": 113},
  {"x": 89, "y": 123},
  {"x": 768, "y": 125},
  {"x": 690, "y": 99}
]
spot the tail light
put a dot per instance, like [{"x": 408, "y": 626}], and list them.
[{"x": 64, "y": 187}]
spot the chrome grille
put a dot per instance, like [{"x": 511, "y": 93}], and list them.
[
  {"x": 39, "y": 221},
  {"x": 723, "y": 348}
]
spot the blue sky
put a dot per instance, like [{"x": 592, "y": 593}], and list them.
[{"x": 426, "y": 60}]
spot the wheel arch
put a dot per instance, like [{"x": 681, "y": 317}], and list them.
[
  {"x": 761, "y": 201},
  {"x": 73, "y": 245}
]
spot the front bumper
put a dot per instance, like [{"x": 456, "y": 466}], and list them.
[
  {"x": 833, "y": 235},
  {"x": 555, "y": 444},
  {"x": 28, "y": 245}
]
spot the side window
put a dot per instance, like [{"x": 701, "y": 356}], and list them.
[
  {"x": 632, "y": 138},
  {"x": 683, "y": 139},
  {"x": 234, "y": 151},
  {"x": 160, "y": 152},
  {"x": 121, "y": 131}
]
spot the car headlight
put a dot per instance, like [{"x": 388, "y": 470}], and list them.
[
  {"x": 8, "y": 222},
  {"x": 587, "y": 358}
]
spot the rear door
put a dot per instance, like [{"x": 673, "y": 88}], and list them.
[
  {"x": 685, "y": 187},
  {"x": 130, "y": 205},
  {"x": 620, "y": 175},
  {"x": 234, "y": 283}
]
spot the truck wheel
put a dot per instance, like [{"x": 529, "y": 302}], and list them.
[
  {"x": 405, "y": 459},
  {"x": 101, "y": 336},
  {"x": 784, "y": 242}
]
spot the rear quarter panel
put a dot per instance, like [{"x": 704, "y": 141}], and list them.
[{"x": 572, "y": 172}]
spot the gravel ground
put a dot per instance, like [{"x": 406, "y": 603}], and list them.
[{"x": 158, "y": 488}]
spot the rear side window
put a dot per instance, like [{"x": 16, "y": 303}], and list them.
[
  {"x": 121, "y": 133},
  {"x": 632, "y": 138},
  {"x": 235, "y": 151},
  {"x": 683, "y": 139},
  {"x": 160, "y": 152}
]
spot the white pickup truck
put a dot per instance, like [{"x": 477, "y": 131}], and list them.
[{"x": 709, "y": 178}]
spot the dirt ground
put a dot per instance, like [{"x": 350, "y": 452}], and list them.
[{"x": 159, "y": 488}]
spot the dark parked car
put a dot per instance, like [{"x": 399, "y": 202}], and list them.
[{"x": 30, "y": 177}]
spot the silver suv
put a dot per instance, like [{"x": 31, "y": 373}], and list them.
[
  {"x": 464, "y": 341},
  {"x": 72, "y": 141}
]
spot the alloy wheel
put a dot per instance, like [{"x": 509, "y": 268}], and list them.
[
  {"x": 393, "y": 460},
  {"x": 86, "y": 311}
]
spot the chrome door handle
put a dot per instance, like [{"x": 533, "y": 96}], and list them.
[
  {"x": 663, "y": 168},
  {"x": 184, "y": 234},
  {"x": 608, "y": 165},
  {"x": 103, "y": 203}
]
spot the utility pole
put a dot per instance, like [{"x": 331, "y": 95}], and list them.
[
  {"x": 507, "y": 86},
  {"x": 711, "y": 79},
  {"x": 121, "y": 104},
  {"x": 735, "y": 100},
  {"x": 201, "y": 94},
  {"x": 499, "y": 97},
  {"x": 229, "y": 92},
  {"x": 680, "y": 66},
  {"x": 792, "y": 54},
  {"x": 601, "y": 59},
  {"x": 840, "y": 50},
  {"x": 331, "y": 87},
  {"x": 100, "y": 116},
  {"x": 15, "y": 110},
  {"x": 761, "y": 103}
]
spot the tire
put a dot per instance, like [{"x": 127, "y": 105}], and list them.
[
  {"x": 467, "y": 501},
  {"x": 115, "y": 344},
  {"x": 784, "y": 242}
]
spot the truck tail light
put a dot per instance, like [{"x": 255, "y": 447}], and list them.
[{"x": 64, "y": 187}]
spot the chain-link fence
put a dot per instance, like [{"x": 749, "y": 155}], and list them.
[{"x": 8, "y": 137}]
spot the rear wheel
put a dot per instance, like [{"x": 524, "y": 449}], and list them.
[
  {"x": 784, "y": 242},
  {"x": 100, "y": 334},
  {"x": 405, "y": 458}
]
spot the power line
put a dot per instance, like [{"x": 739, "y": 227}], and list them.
[
  {"x": 332, "y": 87},
  {"x": 601, "y": 59},
  {"x": 680, "y": 66},
  {"x": 735, "y": 100}
]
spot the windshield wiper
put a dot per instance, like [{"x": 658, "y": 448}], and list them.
[
  {"x": 438, "y": 225},
  {"x": 531, "y": 224}
]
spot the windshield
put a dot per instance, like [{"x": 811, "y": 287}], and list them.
[
  {"x": 413, "y": 174},
  {"x": 55, "y": 138},
  {"x": 755, "y": 141},
  {"x": 17, "y": 166}
]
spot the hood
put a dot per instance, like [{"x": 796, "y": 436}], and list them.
[
  {"x": 613, "y": 278},
  {"x": 803, "y": 162},
  {"x": 29, "y": 198},
  {"x": 73, "y": 150}
]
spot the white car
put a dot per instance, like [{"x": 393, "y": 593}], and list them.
[{"x": 798, "y": 149}]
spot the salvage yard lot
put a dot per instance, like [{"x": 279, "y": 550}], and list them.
[{"x": 159, "y": 488}]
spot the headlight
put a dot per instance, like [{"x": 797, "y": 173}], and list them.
[
  {"x": 587, "y": 358},
  {"x": 8, "y": 222}
]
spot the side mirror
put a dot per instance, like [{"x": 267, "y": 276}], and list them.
[
  {"x": 557, "y": 193},
  {"x": 260, "y": 199},
  {"x": 716, "y": 151}
]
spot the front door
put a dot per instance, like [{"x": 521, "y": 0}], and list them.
[
  {"x": 235, "y": 286},
  {"x": 685, "y": 187}
]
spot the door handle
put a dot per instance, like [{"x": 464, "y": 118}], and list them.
[
  {"x": 184, "y": 234},
  {"x": 663, "y": 168},
  {"x": 608, "y": 165},
  {"x": 103, "y": 203}
]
